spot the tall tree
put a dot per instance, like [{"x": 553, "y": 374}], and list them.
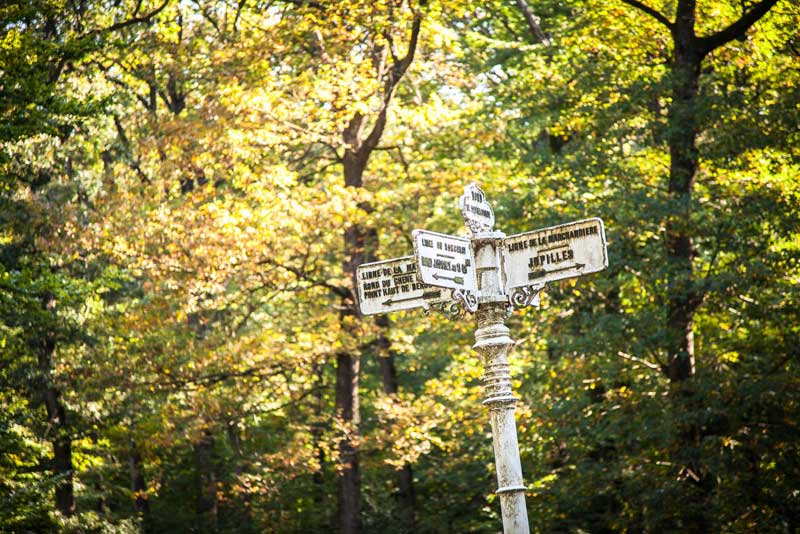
[
  {"x": 360, "y": 139},
  {"x": 685, "y": 292}
]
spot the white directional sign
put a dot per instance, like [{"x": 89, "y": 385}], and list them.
[
  {"x": 445, "y": 260},
  {"x": 386, "y": 286},
  {"x": 476, "y": 210},
  {"x": 555, "y": 253}
]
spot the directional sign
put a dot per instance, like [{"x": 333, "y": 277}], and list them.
[
  {"x": 445, "y": 260},
  {"x": 555, "y": 253},
  {"x": 392, "y": 285},
  {"x": 476, "y": 210}
]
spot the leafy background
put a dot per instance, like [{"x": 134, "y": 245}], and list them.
[{"x": 178, "y": 228}]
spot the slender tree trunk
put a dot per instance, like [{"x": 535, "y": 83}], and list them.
[
  {"x": 207, "y": 505},
  {"x": 141, "y": 503},
  {"x": 388, "y": 371},
  {"x": 316, "y": 435},
  {"x": 348, "y": 366},
  {"x": 62, "y": 452},
  {"x": 681, "y": 298},
  {"x": 241, "y": 507},
  {"x": 57, "y": 420},
  {"x": 347, "y": 369}
]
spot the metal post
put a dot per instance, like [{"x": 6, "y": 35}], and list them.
[{"x": 492, "y": 343}]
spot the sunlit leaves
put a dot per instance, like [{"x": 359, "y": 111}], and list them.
[{"x": 192, "y": 233}]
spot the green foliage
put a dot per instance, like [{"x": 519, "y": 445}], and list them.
[{"x": 172, "y": 214}]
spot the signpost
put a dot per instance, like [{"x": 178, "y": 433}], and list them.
[
  {"x": 445, "y": 260},
  {"x": 489, "y": 275},
  {"x": 550, "y": 254},
  {"x": 387, "y": 286}
]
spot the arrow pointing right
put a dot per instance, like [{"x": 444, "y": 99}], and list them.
[{"x": 543, "y": 273}]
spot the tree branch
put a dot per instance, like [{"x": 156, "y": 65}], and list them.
[
  {"x": 533, "y": 22},
  {"x": 396, "y": 73},
  {"x": 134, "y": 161},
  {"x": 340, "y": 291},
  {"x": 412, "y": 47},
  {"x": 239, "y": 8},
  {"x": 783, "y": 361},
  {"x": 650, "y": 11},
  {"x": 711, "y": 42},
  {"x": 400, "y": 156},
  {"x": 649, "y": 365},
  {"x": 135, "y": 20}
]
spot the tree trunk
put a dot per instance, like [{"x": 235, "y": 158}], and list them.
[
  {"x": 388, "y": 370},
  {"x": 348, "y": 366},
  {"x": 138, "y": 486},
  {"x": 682, "y": 138},
  {"x": 347, "y": 410},
  {"x": 207, "y": 483},
  {"x": 317, "y": 430},
  {"x": 681, "y": 289},
  {"x": 57, "y": 420},
  {"x": 62, "y": 452}
]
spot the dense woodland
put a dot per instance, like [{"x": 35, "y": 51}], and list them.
[{"x": 187, "y": 186}]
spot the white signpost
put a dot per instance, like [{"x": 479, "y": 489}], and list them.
[
  {"x": 489, "y": 275},
  {"x": 445, "y": 260},
  {"x": 387, "y": 286},
  {"x": 550, "y": 254}
]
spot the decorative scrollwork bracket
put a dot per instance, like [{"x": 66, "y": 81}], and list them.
[
  {"x": 463, "y": 301},
  {"x": 525, "y": 296},
  {"x": 467, "y": 299},
  {"x": 450, "y": 308}
]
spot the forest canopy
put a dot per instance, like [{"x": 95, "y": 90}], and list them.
[{"x": 188, "y": 186}]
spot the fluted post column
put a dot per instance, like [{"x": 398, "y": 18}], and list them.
[{"x": 492, "y": 343}]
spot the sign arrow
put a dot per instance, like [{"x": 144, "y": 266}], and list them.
[
  {"x": 456, "y": 279},
  {"x": 542, "y": 273},
  {"x": 445, "y": 261},
  {"x": 427, "y": 295}
]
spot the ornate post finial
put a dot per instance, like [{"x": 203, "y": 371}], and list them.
[{"x": 476, "y": 210}]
